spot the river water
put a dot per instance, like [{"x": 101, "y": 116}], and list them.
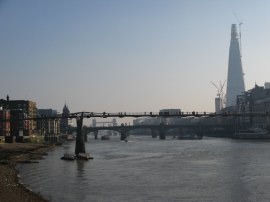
[{"x": 146, "y": 169}]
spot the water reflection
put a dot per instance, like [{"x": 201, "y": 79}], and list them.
[{"x": 80, "y": 166}]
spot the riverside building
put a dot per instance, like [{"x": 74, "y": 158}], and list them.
[
  {"x": 256, "y": 100},
  {"x": 4, "y": 125},
  {"x": 27, "y": 107},
  {"x": 13, "y": 126},
  {"x": 65, "y": 121},
  {"x": 50, "y": 128}
]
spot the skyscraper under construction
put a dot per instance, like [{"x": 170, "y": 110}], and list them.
[{"x": 235, "y": 79}]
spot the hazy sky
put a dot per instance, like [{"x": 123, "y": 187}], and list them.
[{"x": 124, "y": 55}]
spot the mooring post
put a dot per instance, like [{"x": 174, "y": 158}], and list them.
[{"x": 80, "y": 146}]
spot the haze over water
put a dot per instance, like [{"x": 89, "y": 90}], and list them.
[{"x": 147, "y": 169}]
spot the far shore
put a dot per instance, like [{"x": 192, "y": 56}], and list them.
[{"x": 11, "y": 154}]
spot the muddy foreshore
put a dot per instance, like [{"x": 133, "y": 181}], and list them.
[{"x": 11, "y": 154}]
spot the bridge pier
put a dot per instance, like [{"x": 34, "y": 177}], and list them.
[
  {"x": 162, "y": 135},
  {"x": 181, "y": 132},
  {"x": 80, "y": 146},
  {"x": 123, "y": 134},
  {"x": 200, "y": 132},
  {"x": 153, "y": 132},
  {"x": 96, "y": 134},
  {"x": 85, "y": 135}
]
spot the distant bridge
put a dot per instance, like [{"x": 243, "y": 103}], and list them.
[{"x": 161, "y": 129}]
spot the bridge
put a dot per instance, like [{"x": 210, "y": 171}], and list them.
[
  {"x": 200, "y": 129},
  {"x": 79, "y": 116},
  {"x": 95, "y": 122},
  {"x": 80, "y": 146}
]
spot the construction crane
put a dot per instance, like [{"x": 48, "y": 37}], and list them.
[{"x": 220, "y": 92}]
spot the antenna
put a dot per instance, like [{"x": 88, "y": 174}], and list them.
[{"x": 240, "y": 23}]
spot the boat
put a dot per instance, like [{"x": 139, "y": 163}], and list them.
[
  {"x": 84, "y": 156},
  {"x": 68, "y": 156},
  {"x": 188, "y": 136},
  {"x": 252, "y": 134},
  {"x": 70, "y": 137}
]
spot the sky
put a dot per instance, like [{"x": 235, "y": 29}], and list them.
[{"x": 127, "y": 56}]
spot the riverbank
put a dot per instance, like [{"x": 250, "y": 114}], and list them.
[{"x": 11, "y": 154}]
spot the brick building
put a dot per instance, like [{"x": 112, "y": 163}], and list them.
[
  {"x": 4, "y": 125},
  {"x": 28, "y": 108}
]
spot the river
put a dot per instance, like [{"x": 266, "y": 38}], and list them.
[{"x": 153, "y": 170}]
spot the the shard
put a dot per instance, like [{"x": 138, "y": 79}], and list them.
[{"x": 235, "y": 79}]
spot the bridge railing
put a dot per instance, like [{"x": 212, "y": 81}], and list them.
[{"x": 79, "y": 115}]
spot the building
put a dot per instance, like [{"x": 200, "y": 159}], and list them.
[
  {"x": 256, "y": 100},
  {"x": 28, "y": 108},
  {"x": 19, "y": 127},
  {"x": 218, "y": 104},
  {"x": 235, "y": 79},
  {"x": 65, "y": 121},
  {"x": 244, "y": 105},
  {"x": 13, "y": 125},
  {"x": 50, "y": 128},
  {"x": 4, "y": 125}
]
